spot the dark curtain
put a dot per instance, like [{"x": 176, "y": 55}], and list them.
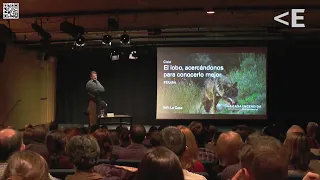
[{"x": 130, "y": 84}]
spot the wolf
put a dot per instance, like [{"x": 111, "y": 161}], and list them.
[{"x": 218, "y": 88}]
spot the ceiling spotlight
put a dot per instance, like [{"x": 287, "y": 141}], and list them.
[
  {"x": 125, "y": 39},
  {"x": 210, "y": 12},
  {"x": 80, "y": 41},
  {"x": 106, "y": 39},
  {"x": 114, "y": 56},
  {"x": 133, "y": 55}
]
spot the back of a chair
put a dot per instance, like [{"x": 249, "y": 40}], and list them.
[{"x": 61, "y": 173}]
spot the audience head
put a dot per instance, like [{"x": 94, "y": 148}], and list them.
[
  {"x": 211, "y": 131},
  {"x": 26, "y": 165},
  {"x": 104, "y": 140},
  {"x": 253, "y": 136},
  {"x": 264, "y": 158},
  {"x": 155, "y": 138},
  {"x": 124, "y": 138},
  {"x": 56, "y": 141},
  {"x": 160, "y": 164},
  {"x": 173, "y": 139},
  {"x": 94, "y": 127},
  {"x": 28, "y": 135},
  {"x": 28, "y": 126},
  {"x": 115, "y": 138},
  {"x": 10, "y": 142},
  {"x": 120, "y": 129},
  {"x": 137, "y": 134},
  {"x": 244, "y": 131},
  {"x": 311, "y": 129},
  {"x": 83, "y": 151},
  {"x": 228, "y": 147},
  {"x": 71, "y": 132},
  {"x": 152, "y": 129},
  {"x": 199, "y": 133},
  {"x": 39, "y": 133},
  {"x": 293, "y": 129},
  {"x": 53, "y": 126},
  {"x": 298, "y": 148},
  {"x": 190, "y": 156}
]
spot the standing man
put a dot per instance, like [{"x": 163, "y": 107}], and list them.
[{"x": 94, "y": 89}]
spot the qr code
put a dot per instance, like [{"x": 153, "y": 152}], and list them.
[{"x": 10, "y": 10}]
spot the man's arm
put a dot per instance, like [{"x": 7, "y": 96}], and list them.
[
  {"x": 90, "y": 88},
  {"x": 100, "y": 88}
]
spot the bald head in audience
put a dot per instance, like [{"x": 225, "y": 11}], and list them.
[
  {"x": 228, "y": 146},
  {"x": 294, "y": 129},
  {"x": 10, "y": 142},
  {"x": 263, "y": 158}
]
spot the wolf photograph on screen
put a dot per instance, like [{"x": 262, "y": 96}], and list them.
[{"x": 240, "y": 87}]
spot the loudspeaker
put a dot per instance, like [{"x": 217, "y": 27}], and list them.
[{"x": 3, "y": 48}]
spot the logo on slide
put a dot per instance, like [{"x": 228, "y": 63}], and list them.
[{"x": 294, "y": 18}]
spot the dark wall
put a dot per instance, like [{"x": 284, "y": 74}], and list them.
[{"x": 131, "y": 84}]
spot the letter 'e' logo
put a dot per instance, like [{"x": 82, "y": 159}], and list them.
[{"x": 294, "y": 18}]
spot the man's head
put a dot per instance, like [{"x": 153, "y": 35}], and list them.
[
  {"x": 93, "y": 75},
  {"x": 228, "y": 146},
  {"x": 264, "y": 158},
  {"x": 137, "y": 134},
  {"x": 311, "y": 129},
  {"x": 198, "y": 132},
  {"x": 10, "y": 142},
  {"x": 83, "y": 152},
  {"x": 294, "y": 129},
  {"x": 173, "y": 139}
]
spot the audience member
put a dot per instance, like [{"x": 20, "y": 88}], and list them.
[
  {"x": 293, "y": 129},
  {"x": 189, "y": 159},
  {"x": 84, "y": 153},
  {"x": 173, "y": 139},
  {"x": 201, "y": 139},
  {"x": 298, "y": 148},
  {"x": 160, "y": 164},
  {"x": 124, "y": 138},
  {"x": 244, "y": 131},
  {"x": 228, "y": 146},
  {"x": 10, "y": 142},
  {"x": 231, "y": 170},
  {"x": 37, "y": 145},
  {"x": 136, "y": 150},
  {"x": 56, "y": 141},
  {"x": 155, "y": 138},
  {"x": 71, "y": 132},
  {"x": 263, "y": 158},
  {"x": 104, "y": 140},
  {"x": 311, "y": 132},
  {"x": 211, "y": 130},
  {"x": 26, "y": 165},
  {"x": 28, "y": 135},
  {"x": 146, "y": 141}
]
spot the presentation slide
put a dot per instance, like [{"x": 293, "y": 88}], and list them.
[{"x": 211, "y": 83}]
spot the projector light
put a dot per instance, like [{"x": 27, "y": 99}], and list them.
[
  {"x": 106, "y": 39},
  {"x": 114, "y": 56},
  {"x": 125, "y": 39},
  {"x": 80, "y": 41},
  {"x": 133, "y": 55}
]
